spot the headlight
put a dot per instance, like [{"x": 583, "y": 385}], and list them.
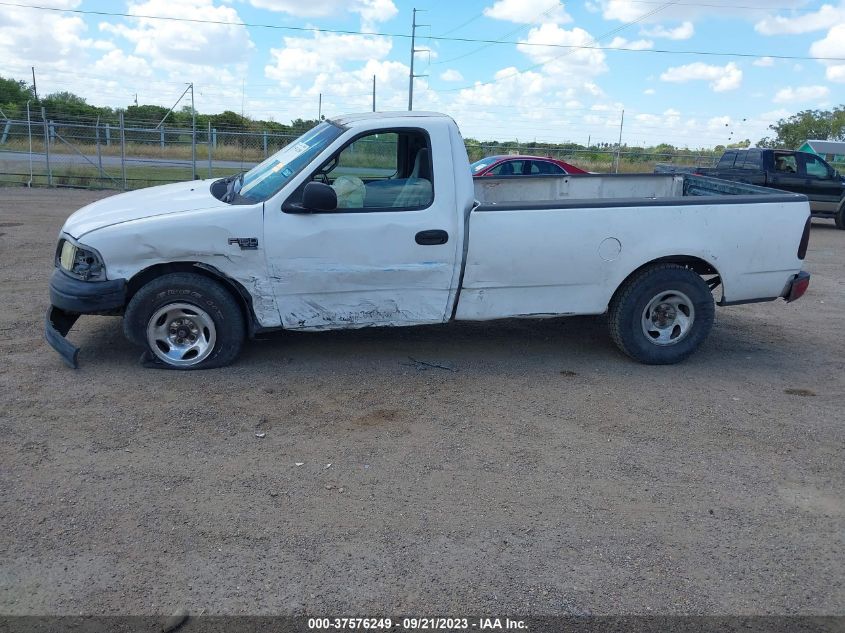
[{"x": 80, "y": 261}]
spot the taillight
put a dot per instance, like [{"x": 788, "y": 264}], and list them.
[
  {"x": 805, "y": 240},
  {"x": 798, "y": 286}
]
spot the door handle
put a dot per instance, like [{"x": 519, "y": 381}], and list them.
[{"x": 432, "y": 237}]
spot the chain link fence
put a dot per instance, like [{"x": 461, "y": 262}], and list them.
[{"x": 65, "y": 151}]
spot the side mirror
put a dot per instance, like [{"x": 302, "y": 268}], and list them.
[{"x": 318, "y": 196}]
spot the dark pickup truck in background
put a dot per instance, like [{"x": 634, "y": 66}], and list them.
[{"x": 796, "y": 172}]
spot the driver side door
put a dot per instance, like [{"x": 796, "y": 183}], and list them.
[
  {"x": 823, "y": 190},
  {"x": 388, "y": 255}
]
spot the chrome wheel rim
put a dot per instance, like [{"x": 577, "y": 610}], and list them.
[
  {"x": 181, "y": 334},
  {"x": 668, "y": 318}
]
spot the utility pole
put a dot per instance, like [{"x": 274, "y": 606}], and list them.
[
  {"x": 320, "y": 107},
  {"x": 374, "y": 93},
  {"x": 34, "y": 86},
  {"x": 136, "y": 99},
  {"x": 193, "y": 136},
  {"x": 414, "y": 51},
  {"x": 619, "y": 145}
]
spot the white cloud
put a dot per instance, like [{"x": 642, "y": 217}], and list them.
[
  {"x": 721, "y": 78},
  {"x": 324, "y": 53},
  {"x": 775, "y": 115},
  {"x": 653, "y": 13},
  {"x": 43, "y": 38},
  {"x": 371, "y": 11},
  {"x": 824, "y": 18},
  {"x": 116, "y": 63},
  {"x": 374, "y": 11},
  {"x": 173, "y": 44},
  {"x": 622, "y": 10},
  {"x": 833, "y": 45},
  {"x": 669, "y": 118},
  {"x": 801, "y": 94},
  {"x": 719, "y": 123},
  {"x": 649, "y": 91},
  {"x": 682, "y": 32},
  {"x": 567, "y": 66},
  {"x": 451, "y": 75},
  {"x": 529, "y": 11},
  {"x": 636, "y": 45},
  {"x": 764, "y": 62}
]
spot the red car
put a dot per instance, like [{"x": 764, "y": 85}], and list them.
[{"x": 522, "y": 166}]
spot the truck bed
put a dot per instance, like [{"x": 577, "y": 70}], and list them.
[
  {"x": 622, "y": 189},
  {"x": 563, "y": 244}
]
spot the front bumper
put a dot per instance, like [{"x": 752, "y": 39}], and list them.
[
  {"x": 71, "y": 297},
  {"x": 86, "y": 297}
]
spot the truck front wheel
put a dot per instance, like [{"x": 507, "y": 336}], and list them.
[
  {"x": 840, "y": 216},
  {"x": 186, "y": 321},
  {"x": 662, "y": 314}
]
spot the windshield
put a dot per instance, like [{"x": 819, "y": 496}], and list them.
[{"x": 265, "y": 179}]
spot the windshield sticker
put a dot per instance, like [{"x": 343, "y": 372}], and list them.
[
  {"x": 299, "y": 148},
  {"x": 277, "y": 167},
  {"x": 286, "y": 172}
]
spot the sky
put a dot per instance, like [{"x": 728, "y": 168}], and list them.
[{"x": 559, "y": 76}]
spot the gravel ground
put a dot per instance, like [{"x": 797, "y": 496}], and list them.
[{"x": 547, "y": 475}]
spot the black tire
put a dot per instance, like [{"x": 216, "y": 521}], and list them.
[
  {"x": 214, "y": 302},
  {"x": 627, "y": 314},
  {"x": 840, "y": 216}
]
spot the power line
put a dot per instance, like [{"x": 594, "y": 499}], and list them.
[
  {"x": 442, "y": 38},
  {"x": 463, "y": 24},
  {"x": 592, "y": 42},
  {"x": 508, "y": 34}
]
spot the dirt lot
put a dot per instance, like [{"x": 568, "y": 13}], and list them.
[{"x": 547, "y": 475}]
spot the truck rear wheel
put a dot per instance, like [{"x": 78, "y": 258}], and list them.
[
  {"x": 661, "y": 315},
  {"x": 186, "y": 321}
]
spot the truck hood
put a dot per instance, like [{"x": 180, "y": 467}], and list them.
[{"x": 143, "y": 203}]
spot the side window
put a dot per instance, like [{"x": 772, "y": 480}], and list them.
[
  {"x": 752, "y": 159},
  {"x": 815, "y": 167},
  {"x": 545, "y": 168},
  {"x": 508, "y": 168},
  {"x": 727, "y": 160},
  {"x": 786, "y": 163},
  {"x": 371, "y": 157},
  {"x": 386, "y": 170}
]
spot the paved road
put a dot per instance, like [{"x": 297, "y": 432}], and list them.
[{"x": 114, "y": 161}]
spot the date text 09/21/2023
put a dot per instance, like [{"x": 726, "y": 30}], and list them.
[{"x": 417, "y": 624}]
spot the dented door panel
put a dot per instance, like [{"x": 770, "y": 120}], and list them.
[{"x": 365, "y": 268}]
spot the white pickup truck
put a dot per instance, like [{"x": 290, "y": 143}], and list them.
[{"x": 374, "y": 220}]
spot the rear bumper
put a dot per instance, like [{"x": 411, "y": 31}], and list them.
[
  {"x": 797, "y": 287},
  {"x": 71, "y": 297}
]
